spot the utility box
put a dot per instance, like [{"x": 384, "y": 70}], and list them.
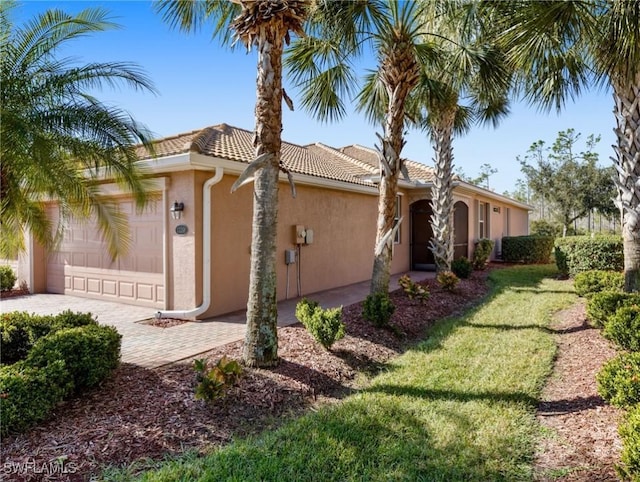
[
  {"x": 299, "y": 234},
  {"x": 308, "y": 239},
  {"x": 289, "y": 256}
]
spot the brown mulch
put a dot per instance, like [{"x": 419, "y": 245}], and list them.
[
  {"x": 584, "y": 443},
  {"x": 163, "y": 322},
  {"x": 14, "y": 293}
]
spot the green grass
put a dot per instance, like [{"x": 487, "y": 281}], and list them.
[{"x": 459, "y": 406}]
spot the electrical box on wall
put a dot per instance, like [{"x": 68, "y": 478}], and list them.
[
  {"x": 299, "y": 234},
  {"x": 290, "y": 256},
  {"x": 308, "y": 239}
]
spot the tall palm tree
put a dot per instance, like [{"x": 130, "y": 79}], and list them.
[
  {"x": 265, "y": 24},
  {"x": 561, "y": 47},
  {"x": 57, "y": 139},
  {"x": 322, "y": 64}
]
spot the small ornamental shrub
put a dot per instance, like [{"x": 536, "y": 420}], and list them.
[
  {"x": 481, "y": 253},
  {"x": 576, "y": 254},
  {"x": 630, "y": 435},
  {"x": 28, "y": 394},
  {"x": 527, "y": 249},
  {"x": 594, "y": 281},
  {"x": 462, "y": 267},
  {"x": 619, "y": 380},
  {"x": 447, "y": 280},
  {"x": 90, "y": 353},
  {"x": 542, "y": 227},
  {"x": 7, "y": 278},
  {"x": 378, "y": 309},
  {"x": 623, "y": 328},
  {"x": 326, "y": 326},
  {"x": 412, "y": 289},
  {"x": 213, "y": 383},
  {"x": 602, "y": 305}
]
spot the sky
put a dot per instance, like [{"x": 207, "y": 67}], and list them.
[{"x": 202, "y": 83}]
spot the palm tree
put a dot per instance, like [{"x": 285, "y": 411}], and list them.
[
  {"x": 264, "y": 24},
  {"x": 57, "y": 139},
  {"x": 322, "y": 65},
  {"x": 559, "y": 48}
]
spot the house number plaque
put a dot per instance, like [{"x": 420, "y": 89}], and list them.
[{"x": 182, "y": 229}]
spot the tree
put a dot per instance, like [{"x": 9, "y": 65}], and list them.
[
  {"x": 570, "y": 181},
  {"x": 486, "y": 171},
  {"x": 266, "y": 25},
  {"x": 58, "y": 140},
  {"x": 561, "y": 47},
  {"x": 322, "y": 66}
]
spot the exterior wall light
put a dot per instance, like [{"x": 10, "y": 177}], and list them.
[{"x": 176, "y": 210}]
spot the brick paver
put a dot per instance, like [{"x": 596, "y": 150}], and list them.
[{"x": 150, "y": 346}]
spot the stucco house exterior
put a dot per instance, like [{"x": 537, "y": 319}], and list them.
[{"x": 194, "y": 262}]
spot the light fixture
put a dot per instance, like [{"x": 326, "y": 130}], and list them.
[{"x": 176, "y": 210}]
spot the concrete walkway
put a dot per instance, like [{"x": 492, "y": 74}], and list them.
[{"x": 151, "y": 347}]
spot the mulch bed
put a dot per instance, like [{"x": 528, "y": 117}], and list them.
[
  {"x": 14, "y": 293},
  {"x": 585, "y": 445},
  {"x": 140, "y": 413},
  {"x": 163, "y": 322}
]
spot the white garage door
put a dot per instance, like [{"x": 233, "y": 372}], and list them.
[{"x": 82, "y": 266}]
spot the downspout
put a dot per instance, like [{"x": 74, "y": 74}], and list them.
[{"x": 206, "y": 254}]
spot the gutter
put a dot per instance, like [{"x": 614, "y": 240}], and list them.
[{"x": 206, "y": 254}]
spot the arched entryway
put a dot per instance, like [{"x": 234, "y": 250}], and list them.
[
  {"x": 460, "y": 230},
  {"x": 421, "y": 234}
]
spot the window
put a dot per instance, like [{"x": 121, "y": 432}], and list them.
[
  {"x": 396, "y": 238},
  {"x": 507, "y": 221},
  {"x": 482, "y": 220}
]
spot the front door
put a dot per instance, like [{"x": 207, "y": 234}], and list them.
[
  {"x": 460, "y": 230},
  {"x": 421, "y": 234}
]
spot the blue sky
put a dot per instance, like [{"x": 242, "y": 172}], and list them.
[{"x": 201, "y": 83}]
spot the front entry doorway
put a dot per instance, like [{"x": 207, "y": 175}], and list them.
[{"x": 421, "y": 233}]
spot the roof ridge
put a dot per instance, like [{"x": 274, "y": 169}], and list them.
[{"x": 347, "y": 157}]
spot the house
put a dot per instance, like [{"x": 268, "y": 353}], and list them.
[{"x": 191, "y": 245}]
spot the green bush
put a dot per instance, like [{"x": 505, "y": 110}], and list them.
[
  {"x": 28, "y": 394},
  {"x": 90, "y": 353},
  {"x": 619, "y": 380},
  {"x": 7, "y": 278},
  {"x": 412, "y": 289},
  {"x": 378, "y": 309},
  {"x": 583, "y": 253},
  {"x": 542, "y": 227},
  {"x": 447, "y": 280},
  {"x": 19, "y": 330},
  {"x": 527, "y": 249},
  {"x": 623, "y": 328},
  {"x": 214, "y": 382},
  {"x": 630, "y": 434},
  {"x": 462, "y": 267},
  {"x": 326, "y": 326},
  {"x": 481, "y": 253},
  {"x": 604, "y": 304},
  {"x": 594, "y": 281}
]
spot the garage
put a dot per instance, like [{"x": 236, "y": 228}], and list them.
[{"x": 81, "y": 265}]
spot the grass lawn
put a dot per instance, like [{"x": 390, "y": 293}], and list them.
[{"x": 459, "y": 406}]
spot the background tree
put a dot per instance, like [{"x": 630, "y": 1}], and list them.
[
  {"x": 266, "y": 25},
  {"x": 482, "y": 180},
  {"x": 58, "y": 140}
]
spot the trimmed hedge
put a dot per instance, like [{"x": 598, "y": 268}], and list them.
[
  {"x": 589, "y": 282},
  {"x": 462, "y": 267},
  {"x": 630, "y": 434},
  {"x": 7, "y": 278},
  {"x": 576, "y": 254},
  {"x": 527, "y": 249},
  {"x": 90, "y": 353},
  {"x": 619, "y": 380},
  {"x": 378, "y": 309},
  {"x": 481, "y": 253},
  {"x": 19, "y": 330},
  {"x": 604, "y": 304},
  {"x": 28, "y": 394},
  {"x": 623, "y": 328},
  {"x": 326, "y": 326}
]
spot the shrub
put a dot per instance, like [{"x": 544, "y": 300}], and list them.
[
  {"x": 462, "y": 267},
  {"x": 541, "y": 227},
  {"x": 412, "y": 289},
  {"x": 378, "y": 309},
  {"x": 623, "y": 328},
  {"x": 19, "y": 330},
  {"x": 28, "y": 394},
  {"x": 90, "y": 353},
  {"x": 594, "y": 281},
  {"x": 604, "y": 304},
  {"x": 326, "y": 326},
  {"x": 630, "y": 434},
  {"x": 619, "y": 380},
  {"x": 481, "y": 253},
  {"x": 583, "y": 253},
  {"x": 7, "y": 278},
  {"x": 527, "y": 249},
  {"x": 447, "y": 280},
  {"x": 214, "y": 382}
]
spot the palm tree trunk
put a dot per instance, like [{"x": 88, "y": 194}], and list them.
[
  {"x": 627, "y": 112},
  {"x": 261, "y": 340},
  {"x": 386, "y": 214},
  {"x": 442, "y": 191}
]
